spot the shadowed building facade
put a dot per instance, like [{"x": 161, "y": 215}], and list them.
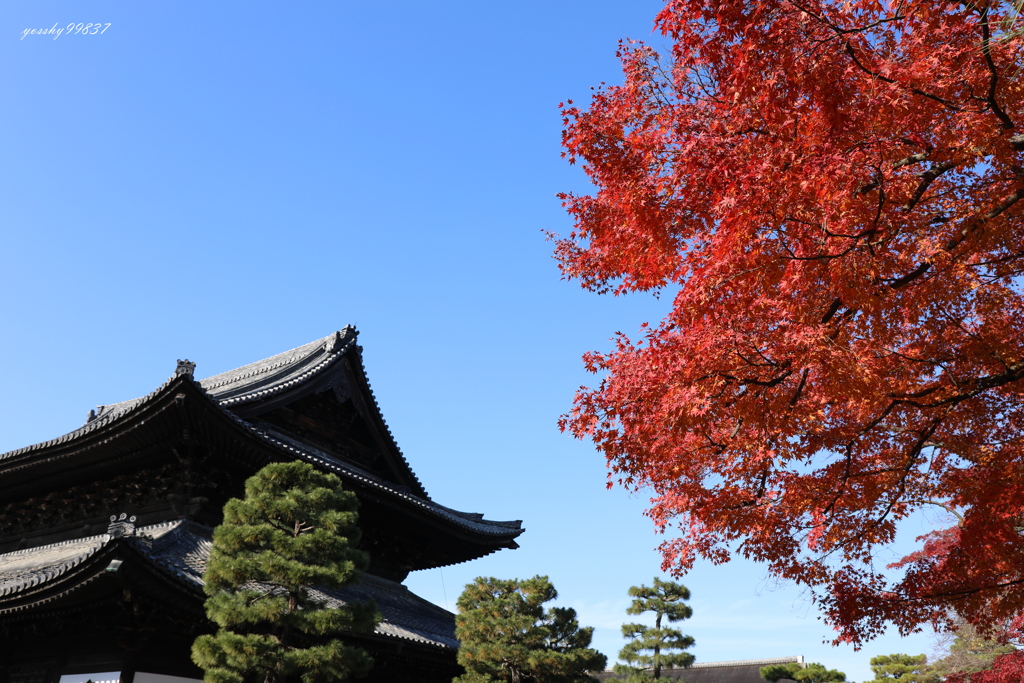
[{"x": 105, "y": 531}]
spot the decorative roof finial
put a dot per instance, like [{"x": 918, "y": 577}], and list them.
[
  {"x": 185, "y": 367},
  {"x": 92, "y": 416},
  {"x": 335, "y": 344},
  {"x": 121, "y": 526}
]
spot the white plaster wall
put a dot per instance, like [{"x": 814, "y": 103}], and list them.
[{"x": 143, "y": 677}]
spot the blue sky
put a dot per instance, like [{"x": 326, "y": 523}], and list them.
[{"x": 224, "y": 181}]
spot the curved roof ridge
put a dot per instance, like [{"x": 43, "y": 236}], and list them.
[
  {"x": 385, "y": 627},
  {"x": 259, "y": 367},
  {"x": 85, "y": 539},
  {"x": 105, "y": 417},
  {"x": 473, "y": 521},
  {"x": 25, "y": 577},
  {"x": 322, "y": 353},
  {"x": 36, "y": 548},
  {"x": 161, "y": 533}
]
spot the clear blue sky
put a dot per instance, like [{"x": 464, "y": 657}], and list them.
[{"x": 224, "y": 181}]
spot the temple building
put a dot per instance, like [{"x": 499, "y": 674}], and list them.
[{"x": 105, "y": 531}]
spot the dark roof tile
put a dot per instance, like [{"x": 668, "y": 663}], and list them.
[{"x": 182, "y": 548}]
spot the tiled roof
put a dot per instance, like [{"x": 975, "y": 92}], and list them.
[
  {"x": 108, "y": 416},
  {"x": 181, "y": 549},
  {"x": 24, "y": 569},
  {"x": 249, "y": 382},
  {"x": 263, "y": 378},
  {"x": 273, "y": 375},
  {"x": 797, "y": 659},
  {"x": 403, "y": 613}
]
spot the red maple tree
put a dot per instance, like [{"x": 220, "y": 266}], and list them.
[
  {"x": 1008, "y": 668},
  {"x": 829, "y": 192}
]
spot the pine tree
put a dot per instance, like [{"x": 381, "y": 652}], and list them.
[
  {"x": 507, "y": 635},
  {"x": 971, "y": 652},
  {"x": 665, "y": 599},
  {"x": 777, "y": 672},
  {"x": 295, "y": 530},
  {"x": 901, "y": 668}
]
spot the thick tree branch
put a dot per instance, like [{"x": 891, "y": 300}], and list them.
[
  {"x": 994, "y": 213},
  {"x": 800, "y": 388},
  {"x": 836, "y": 305},
  {"x": 911, "y": 276},
  {"x": 927, "y": 178},
  {"x": 993, "y": 81}
]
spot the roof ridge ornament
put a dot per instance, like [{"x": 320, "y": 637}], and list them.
[
  {"x": 121, "y": 526},
  {"x": 336, "y": 343},
  {"x": 185, "y": 367}
]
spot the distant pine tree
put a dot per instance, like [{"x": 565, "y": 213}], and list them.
[
  {"x": 507, "y": 635},
  {"x": 653, "y": 648},
  {"x": 295, "y": 529},
  {"x": 777, "y": 672}
]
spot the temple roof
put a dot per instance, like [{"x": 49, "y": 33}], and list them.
[
  {"x": 257, "y": 381},
  {"x": 264, "y": 378},
  {"x": 24, "y": 569},
  {"x": 180, "y": 551},
  {"x": 240, "y": 405},
  {"x": 735, "y": 671}
]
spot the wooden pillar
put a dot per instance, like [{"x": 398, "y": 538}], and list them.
[{"x": 5, "y": 665}]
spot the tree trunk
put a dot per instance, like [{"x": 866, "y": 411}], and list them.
[{"x": 657, "y": 647}]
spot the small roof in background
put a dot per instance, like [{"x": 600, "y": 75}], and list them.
[{"x": 738, "y": 671}]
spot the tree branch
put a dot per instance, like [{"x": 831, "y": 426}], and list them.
[
  {"x": 986, "y": 50},
  {"x": 874, "y": 74},
  {"x": 927, "y": 178}
]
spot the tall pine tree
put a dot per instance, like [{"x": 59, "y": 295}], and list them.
[
  {"x": 652, "y": 648},
  {"x": 295, "y": 530},
  {"x": 507, "y": 635}
]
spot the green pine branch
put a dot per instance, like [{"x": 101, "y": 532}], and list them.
[
  {"x": 508, "y": 635},
  {"x": 296, "y": 529}
]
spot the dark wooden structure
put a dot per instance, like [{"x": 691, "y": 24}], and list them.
[{"x": 104, "y": 532}]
